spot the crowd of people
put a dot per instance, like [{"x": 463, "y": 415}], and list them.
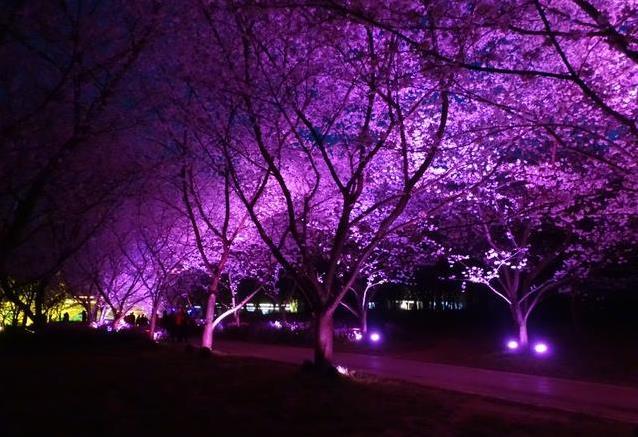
[
  {"x": 141, "y": 320},
  {"x": 177, "y": 324}
]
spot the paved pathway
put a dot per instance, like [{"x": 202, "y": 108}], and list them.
[{"x": 602, "y": 400}]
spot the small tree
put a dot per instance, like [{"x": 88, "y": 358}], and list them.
[
  {"x": 161, "y": 250},
  {"x": 395, "y": 260},
  {"x": 538, "y": 234}
]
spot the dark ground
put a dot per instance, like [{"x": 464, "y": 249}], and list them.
[
  {"x": 601, "y": 352},
  {"x": 123, "y": 386}
]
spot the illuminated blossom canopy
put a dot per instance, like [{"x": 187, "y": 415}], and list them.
[{"x": 328, "y": 140}]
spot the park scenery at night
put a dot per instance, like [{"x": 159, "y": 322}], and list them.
[{"x": 330, "y": 217}]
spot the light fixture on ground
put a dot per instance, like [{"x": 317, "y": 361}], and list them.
[
  {"x": 343, "y": 370},
  {"x": 512, "y": 345},
  {"x": 541, "y": 348}
]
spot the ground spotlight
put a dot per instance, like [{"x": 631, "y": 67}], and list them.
[
  {"x": 512, "y": 345},
  {"x": 541, "y": 348}
]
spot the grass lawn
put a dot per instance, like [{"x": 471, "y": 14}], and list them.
[
  {"x": 612, "y": 361},
  {"x": 138, "y": 390}
]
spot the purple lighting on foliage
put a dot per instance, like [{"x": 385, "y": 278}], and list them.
[
  {"x": 375, "y": 337},
  {"x": 512, "y": 345},
  {"x": 541, "y": 348}
]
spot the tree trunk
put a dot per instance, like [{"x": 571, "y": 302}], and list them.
[
  {"x": 207, "y": 335},
  {"x": 39, "y": 319},
  {"x": 364, "y": 320},
  {"x": 90, "y": 309},
  {"x": 323, "y": 339},
  {"x": 117, "y": 318},
  {"x": 522, "y": 334},
  {"x": 153, "y": 323},
  {"x": 100, "y": 319},
  {"x": 521, "y": 324},
  {"x": 152, "y": 326},
  {"x": 92, "y": 314},
  {"x": 236, "y": 312}
]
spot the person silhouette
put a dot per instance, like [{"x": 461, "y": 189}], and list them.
[{"x": 180, "y": 325}]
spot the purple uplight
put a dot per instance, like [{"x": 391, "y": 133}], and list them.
[
  {"x": 541, "y": 348},
  {"x": 375, "y": 337},
  {"x": 512, "y": 345}
]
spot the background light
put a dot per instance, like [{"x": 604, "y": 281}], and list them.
[{"x": 375, "y": 337}]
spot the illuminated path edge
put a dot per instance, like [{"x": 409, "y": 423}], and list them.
[{"x": 601, "y": 400}]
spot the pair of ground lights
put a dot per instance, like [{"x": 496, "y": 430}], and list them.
[
  {"x": 539, "y": 348},
  {"x": 374, "y": 337}
]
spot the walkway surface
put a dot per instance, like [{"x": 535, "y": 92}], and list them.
[{"x": 601, "y": 400}]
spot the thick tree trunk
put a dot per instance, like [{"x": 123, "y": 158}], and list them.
[
  {"x": 323, "y": 339},
  {"x": 91, "y": 311},
  {"x": 207, "y": 334},
  {"x": 522, "y": 334},
  {"x": 117, "y": 318},
  {"x": 153, "y": 323}
]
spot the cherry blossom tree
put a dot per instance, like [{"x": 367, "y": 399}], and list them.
[
  {"x": 394, "y": 261},
  {"x": 341, "y": 130},
  {"x": 160, "y": 250},
  {"x": 219, "y": 229},
  {"x": 541, "y": 229},
  {"x": 114, "y": 279},
  {"x": 225, "y": 242}
]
